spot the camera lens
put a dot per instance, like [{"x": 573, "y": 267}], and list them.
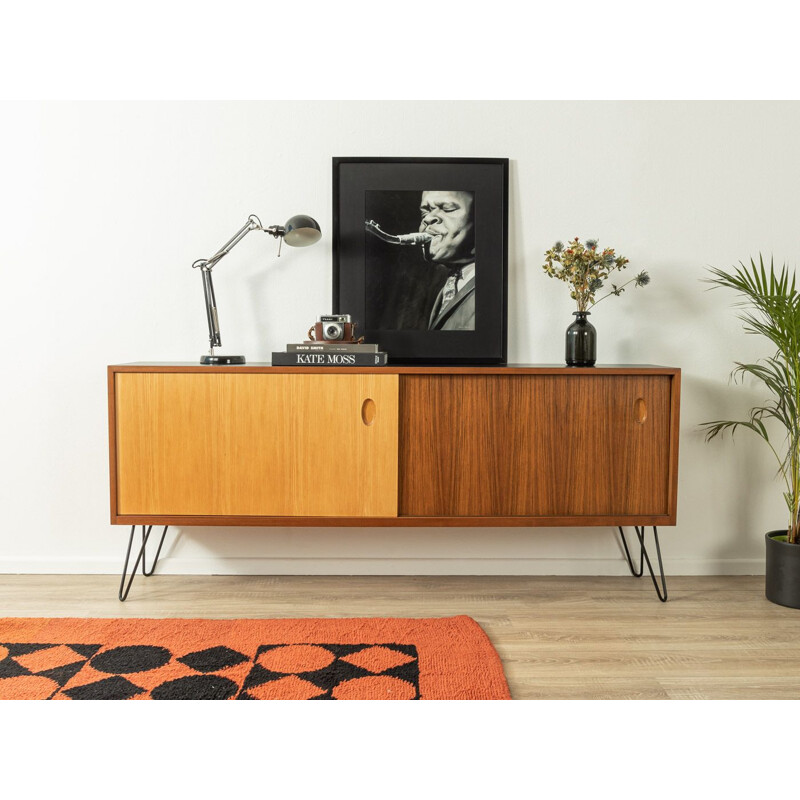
[{"x": 332, "y": 332}]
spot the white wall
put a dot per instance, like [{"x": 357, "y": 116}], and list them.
[{"x": 106, "y": 205}]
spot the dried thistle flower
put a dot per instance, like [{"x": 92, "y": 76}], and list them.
[
  {"x": 595, "y": 284},
  {"x": 585, "y": 269}
]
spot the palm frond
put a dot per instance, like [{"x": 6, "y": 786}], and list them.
[{"x": 769, "y": 306}]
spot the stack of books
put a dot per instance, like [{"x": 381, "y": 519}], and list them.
[{"x": 330, "y": 354}]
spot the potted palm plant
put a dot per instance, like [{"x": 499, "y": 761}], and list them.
[{"x": 770, "y": 306}]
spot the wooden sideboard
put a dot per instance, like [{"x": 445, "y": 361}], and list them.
[{"x": 517, "y": 445}]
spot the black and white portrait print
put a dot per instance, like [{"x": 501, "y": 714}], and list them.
[
  {"x": 420, "y": 256},
  {"x": 420, "y": 260}
]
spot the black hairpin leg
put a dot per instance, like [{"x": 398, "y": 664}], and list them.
[
  {"x": 139, "y": 558},
  {"x": 644, "y": 557}
]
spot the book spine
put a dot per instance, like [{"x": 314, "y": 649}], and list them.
[
  {"x": 332, "y": 348},
  {"x": 329, "y": 359}
]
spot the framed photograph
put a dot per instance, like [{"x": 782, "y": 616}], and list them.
[{"x": 420, "y": 256}]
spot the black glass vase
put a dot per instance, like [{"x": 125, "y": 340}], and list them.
[{"x": 581, "y": 342}]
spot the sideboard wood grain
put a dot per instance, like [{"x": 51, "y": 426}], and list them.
[
  {"x": 253, "y": 445},
  {"x": 517, "y": 446},
  {"x": 541, "y": 446}
]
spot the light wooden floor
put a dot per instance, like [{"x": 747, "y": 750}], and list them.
[{"x": 558, "y": 637}]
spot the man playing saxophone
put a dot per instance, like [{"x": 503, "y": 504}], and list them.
[
  {"x": 448, "y": 218},
  {"x": 447, "y": 239}
]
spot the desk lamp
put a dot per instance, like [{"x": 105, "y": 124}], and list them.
[{"x": 299, "y": 231}]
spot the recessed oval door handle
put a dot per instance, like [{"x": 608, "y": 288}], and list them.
[
  {"x": 368, "y": 411},
  {"x": 640, "y": 410}
]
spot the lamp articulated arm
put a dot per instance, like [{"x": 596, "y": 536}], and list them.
[
  {"x": 301, "y": 230},
  {"x": 207, "y": 264}
]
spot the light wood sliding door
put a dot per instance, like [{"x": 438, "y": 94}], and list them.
[{"x": 256, "y": 445}]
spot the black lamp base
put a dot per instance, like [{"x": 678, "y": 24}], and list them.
[{"x": 221, "y": 361}]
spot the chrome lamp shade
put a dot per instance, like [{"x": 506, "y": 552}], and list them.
[{"x": 301, "y": 231}]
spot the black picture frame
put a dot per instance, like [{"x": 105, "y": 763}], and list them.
[{"x": 389, "y": 289}]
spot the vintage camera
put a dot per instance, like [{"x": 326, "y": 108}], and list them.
[{"x": 334, "y": 328}]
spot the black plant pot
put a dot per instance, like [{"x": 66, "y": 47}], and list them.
[
  {"x": 581, "y": 350},
  {"x": 783, "y": 571}
]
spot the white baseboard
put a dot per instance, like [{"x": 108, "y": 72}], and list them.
[{"x": 379, "y": 566}]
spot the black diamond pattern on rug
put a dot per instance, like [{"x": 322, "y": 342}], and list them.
[
  {"x": 62, "y": 674},
  {"x": 11, "y": 668},
  {"x": 23, "y": 648},
  {"x": 54, "y": 661},
  {"x": 116, "y": 688},
  {"x": 86, "y": 650},
  {"x": 213, "y": 659},
  {"x": 338, "y": 671},
  {"x": 132, "y": 658},
  {"x": 196, "y": 687}
]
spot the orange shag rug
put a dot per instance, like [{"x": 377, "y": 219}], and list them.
[{"x": 248, "y": 659}]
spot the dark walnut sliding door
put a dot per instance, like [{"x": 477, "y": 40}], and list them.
[{"x": 534, "y": 445}]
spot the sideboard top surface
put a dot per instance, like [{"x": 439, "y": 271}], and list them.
[{"x": 439, "y": 369}]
